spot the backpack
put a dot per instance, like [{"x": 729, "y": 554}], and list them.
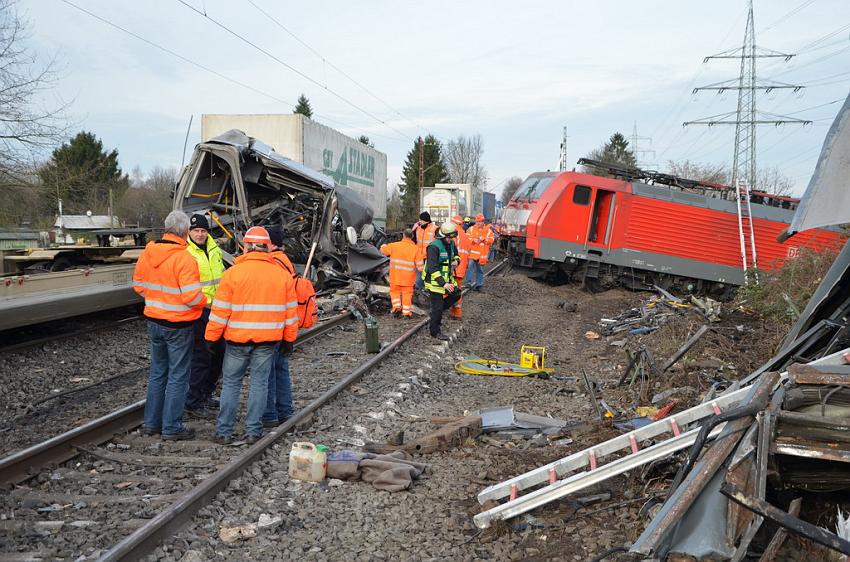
[{"x": 306, "y": 296}]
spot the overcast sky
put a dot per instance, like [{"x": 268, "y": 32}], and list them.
[{"x": 514, "y": 72}]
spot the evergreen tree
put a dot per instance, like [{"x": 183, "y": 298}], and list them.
[
  {"x": 363, "y": 139},
  {"x": 615, "y": 151},
  {"x": 82, "y": 173},
  {"x": 434, "y": 172},
  {"x": 303, "y": 106}
]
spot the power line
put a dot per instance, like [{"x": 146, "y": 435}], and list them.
[
  {"x": 333, "y": 66},
  {"x": 202, "y": 66},
  {"x": 788, "y": 15},
  {"x": 293, "y": 69}
]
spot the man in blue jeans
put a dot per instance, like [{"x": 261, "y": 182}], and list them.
[
  {"x": 253, "y": 310},
  {"x": 167, "y": 277}
]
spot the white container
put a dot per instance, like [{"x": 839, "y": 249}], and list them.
[{"x": 308, "y": 462}]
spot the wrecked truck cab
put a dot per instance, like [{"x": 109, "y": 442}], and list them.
[{"x": 239, "y": 182}]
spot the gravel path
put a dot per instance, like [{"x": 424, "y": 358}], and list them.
[{"x": 432, "y": 521}]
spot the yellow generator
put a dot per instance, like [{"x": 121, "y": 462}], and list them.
[{"x": 532, "y": 357}]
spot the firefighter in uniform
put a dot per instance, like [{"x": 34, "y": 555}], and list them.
[
  {"x": 462, "y": 245},
  {"x": 424, "y": 232},
  {"x": 167, "y": 277},
  {"x": 442, "y": 288},
  {"x": 402, "y": 256},
  {"x": 206, "y": 367},
  {"x": 253, "y": 311},
  {"x": 279, "y": 405},
  {"x": 480, "y": 239}
]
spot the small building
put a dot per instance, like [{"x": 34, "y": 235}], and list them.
[
  {"x": 14, "y": 240},
  {"x": 70, "y": 227}
]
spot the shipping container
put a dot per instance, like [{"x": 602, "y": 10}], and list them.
[
  {"x": 445, "y": 200},
  {"x": 350, "y": 162}
]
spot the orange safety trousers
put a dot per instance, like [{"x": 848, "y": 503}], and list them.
[
  {"x": 402, "y": 299},
  {"x": 457, "y": 310}
]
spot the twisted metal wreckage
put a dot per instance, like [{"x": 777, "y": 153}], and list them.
[
  {"x": 747, "y": 454},
  {"x": 240, "y": 181}
]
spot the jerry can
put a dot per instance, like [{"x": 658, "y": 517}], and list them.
[{"x": 308, "y": 462}]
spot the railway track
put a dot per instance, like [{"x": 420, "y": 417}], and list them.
[
  {"x": 123, "y": 484},
  {"x": 58, "y": 335}
]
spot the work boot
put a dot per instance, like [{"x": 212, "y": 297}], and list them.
[
  {"x": 271, "y": 423},
  {"x": 396, "y": 314},
  {"x": 223, "y": 439},
  {"x": 477, "y": 289},
  {"x": 149, "y": 431},
  {"x": 441, "y": 337},
  {"x": 408, "y": 317},
  {"x": 251, "y": 439},
  {"x": 185, "y": 435},
  {"x": 200, "y": 413}
]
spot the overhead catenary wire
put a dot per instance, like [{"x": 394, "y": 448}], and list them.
[
  {"x": 206, "y": 68},
  {"x": 788, "y": 15},
  {"x": 293, "y": 69},
  {"x": 335, "y": 67}
]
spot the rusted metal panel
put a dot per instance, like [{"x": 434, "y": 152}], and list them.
[
  {"x": 825, "y": 375},
  {"x": 783, "y": 519},
  {"x": 809, "y": 450}
]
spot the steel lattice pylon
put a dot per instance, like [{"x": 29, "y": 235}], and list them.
[{"x": 744, "y": 169}]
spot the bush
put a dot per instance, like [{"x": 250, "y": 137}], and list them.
[{"x": 781, "y": 294}]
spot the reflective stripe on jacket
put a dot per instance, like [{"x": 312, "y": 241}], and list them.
[
  {"x": 167, "y": 277},
  {"x": 480, "y": 238},
  {"x": 255, "y": 302},
  {"x": 424, "y": 236},
  {"x": 462, "y": 242},
  {"x": 438, "y": 266},
  {"x": 402, "y": 262},
  {"x": 210, "y": 266}
]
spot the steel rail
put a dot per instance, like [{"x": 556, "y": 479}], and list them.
[
  {"x": 147, "y": 537},
  {"x": 66, "y": 335},
  {"x": 19, "y": 466}
]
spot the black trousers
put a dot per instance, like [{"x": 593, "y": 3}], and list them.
[
  {"x": 439, "y": 303},
  {"x": 206, "y": 368}
]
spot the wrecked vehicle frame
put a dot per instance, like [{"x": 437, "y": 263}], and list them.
[{"x": 239, "y": 182}]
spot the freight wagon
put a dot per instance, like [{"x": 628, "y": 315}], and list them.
[
  {"x": 349, "y": 162},
  {"x": 445, "y": 200},
  {"x": 619, "y": 231}
]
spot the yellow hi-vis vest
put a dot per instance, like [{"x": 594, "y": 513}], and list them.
[
  {"x": 210, "y": 266},
  {"x": 447, "y": 254}
]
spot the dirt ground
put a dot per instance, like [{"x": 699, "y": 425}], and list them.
[{"x": 433, "y": 519}]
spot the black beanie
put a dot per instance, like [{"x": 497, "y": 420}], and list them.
[
  {"x": 275, "y": 235},
  {"x": 199, "y": 221},
  {"x": 425, "y": 216}
]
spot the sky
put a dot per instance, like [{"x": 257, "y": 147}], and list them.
[{"x": 516, "y": 73}]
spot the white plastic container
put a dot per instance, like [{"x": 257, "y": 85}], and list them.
[{"x": 308, "y": 462}]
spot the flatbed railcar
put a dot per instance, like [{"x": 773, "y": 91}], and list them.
[{"x": 607, "y": 231}]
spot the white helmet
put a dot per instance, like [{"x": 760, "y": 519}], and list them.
[{"x": 448, "y": 228}]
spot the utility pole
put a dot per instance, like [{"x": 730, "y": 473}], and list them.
[
  {"x": 562, "y": 161},
  {"x": 745, "y": 119},
  {"x": 421, "y": 176},
  {"x": 637, "y": 151}
]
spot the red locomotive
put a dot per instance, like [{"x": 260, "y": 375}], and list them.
[{"x": 620, "y": 231}]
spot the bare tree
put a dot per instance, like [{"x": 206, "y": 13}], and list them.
[
  {"x": 26, "y": 126},
  {"x": 463, "y": 160},
  {"x": 148, "y": 200},
  {"x": 510, "y": 188},
  {"x": 709, "y": 173},
  {"x": 772, "y": 180}
]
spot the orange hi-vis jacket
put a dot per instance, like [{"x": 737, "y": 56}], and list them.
[
  {"x": 255, "y": 302},
  {"x": 281, "y": 256},
  {"x": 402, "y": 261},
  {"x": 463, "y": 245},
  {"x": 480, "y": 240},
  {"x": 424, "y": 236},
  {"x": 167, "y": 276}
]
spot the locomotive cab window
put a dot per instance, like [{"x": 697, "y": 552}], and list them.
[{"x": 581, "y": 195}]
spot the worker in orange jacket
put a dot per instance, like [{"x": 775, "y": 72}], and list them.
[
  {"x": 462, "y": 243},
  {"x": 254, "y": 310},
  {"x": 279, "y": 406},
  {"x": 480, "y": 239},
  {"x": 167, "y": 276},
  {"x": 424, "y": 232},
  {"x": 402, "y": 256}
]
